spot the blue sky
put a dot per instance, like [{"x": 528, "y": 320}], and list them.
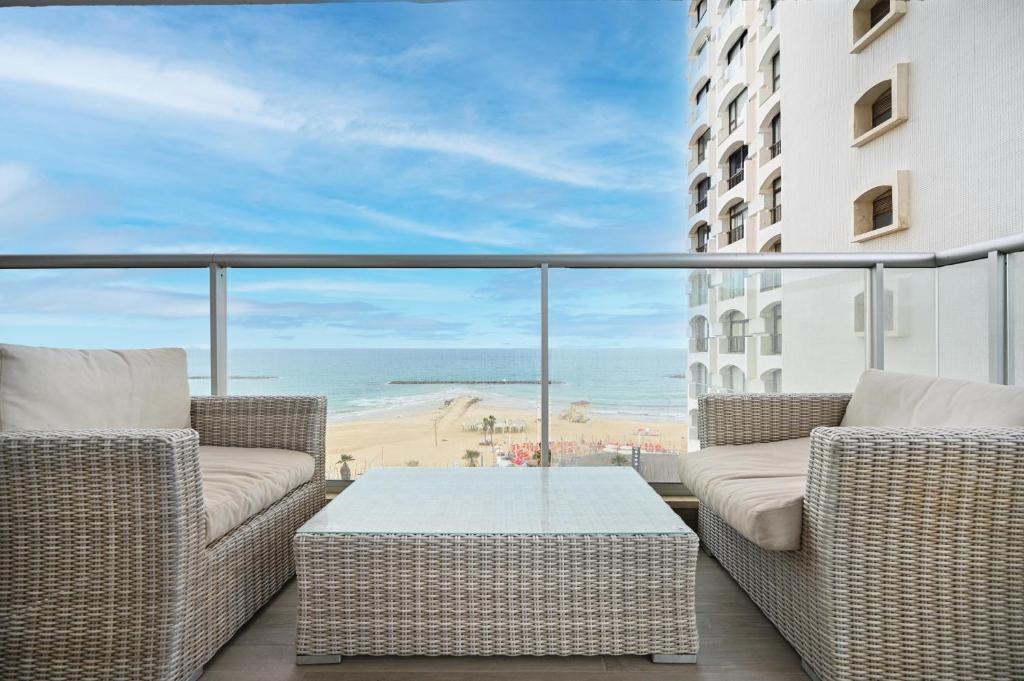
[{"x": 476, "y": 127}]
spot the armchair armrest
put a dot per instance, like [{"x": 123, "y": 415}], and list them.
[
  {"x": 102, "y": 548},
  {"x": 280, "y": 422},
  {"x": 742, "y": 419}
]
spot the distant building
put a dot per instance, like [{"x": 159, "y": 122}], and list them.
[{"x": 735, "y": 185}]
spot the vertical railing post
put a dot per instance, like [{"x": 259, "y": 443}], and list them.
[
  {"x": 218, "y": 330},
  {"x": 545, "y": 452},
  {"x": 874, "y": 322},
  {"x": 998, "y": 329}
]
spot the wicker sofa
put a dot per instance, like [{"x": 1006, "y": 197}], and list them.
[
  {"x": 909, "y": 555},
  {"x": 128, "y": 552}
]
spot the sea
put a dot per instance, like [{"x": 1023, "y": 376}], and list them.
[{"x": 624, "y": 383}]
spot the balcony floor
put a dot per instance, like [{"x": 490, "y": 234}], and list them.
[{"x": 737, "y": 644}]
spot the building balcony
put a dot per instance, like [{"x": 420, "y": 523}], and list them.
[
  {"x": 732, "y": 345},
  {"x": 138, "y": 492},
  {"x": 699, "y": 116},
  {"x": 699, "y": 65},
  {"x": 771, "y": 344}
]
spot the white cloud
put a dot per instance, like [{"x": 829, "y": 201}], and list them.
[
  {"x": 185, "y": 88},
  {"x": 369, "y": 289},
  {"x": 198, "y": 90},
  {"x": 28, "y": 200}
]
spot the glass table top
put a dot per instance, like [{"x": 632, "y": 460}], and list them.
[{"x": 569, "y": 500}]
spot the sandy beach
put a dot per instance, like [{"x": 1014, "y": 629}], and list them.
[{"x": 440, "y": 437}]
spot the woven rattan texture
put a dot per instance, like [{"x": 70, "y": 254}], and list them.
[
  {"x": 104, "y": 568},
  {"x": 496, "y": 594},
  {"x": 911, "y": 559},
  {"x": 743, "y": 419}
]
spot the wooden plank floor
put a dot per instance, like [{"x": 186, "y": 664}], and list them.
[{"x": 736, "y": 644}]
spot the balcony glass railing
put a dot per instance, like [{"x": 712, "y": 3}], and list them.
[
  {"x": 700, "y": 111},
  {"x": 579, "y": 357},
  {"x": 699, "y": 65},
  {"x": 771, "y": 344}
]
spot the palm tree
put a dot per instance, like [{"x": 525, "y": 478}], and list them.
[
  {"x": 471, "y": 456},
  {"x": 489, "y": 422},
  {"x": 619, "y": 460},
  {"x": 343, "y": 470}
]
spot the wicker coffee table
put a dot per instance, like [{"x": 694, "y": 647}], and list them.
[{"x": 496, "y": 561}]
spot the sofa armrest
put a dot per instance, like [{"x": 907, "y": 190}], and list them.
[
  {"x": 279, "y": 422},
  {"x": 102, "y": 552},
  {"x": 743, "y": 418},
  {"x": 904, "y": 523}
]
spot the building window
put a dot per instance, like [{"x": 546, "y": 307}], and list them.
[
  {"x": 772, "y": 341},
  {"x": 772, "y": 381},
  {"x": 881, "y": 210},
  {"x": 774, "y": 247},
  {"x": 699, "y": 332},
  {"x": 699, "y": 379},
  {"x": 775, "y": 212},
  {"x": 737, "y": 217},
  {"x": 703, "y": 236},
  {"x": 733, "y": 380},
  {"x": 888, "y": 316},
  {"x": 776, "y": 147},
  {"x": 735, "y": 110},
  {"x": 872, "y": 18},
  {"x": 776, "y": 73},
  {"x": 881, "y": 108},
  {"x": 703, "y": 92},
  {"x": 702, "y": 9},
  {"x": 699, "y": 283},
  {"x": 735, "y": 327},
  {"x": 702, "y": 146},
  {"x": 878, "y": 11},
  {"x": 736, "y": 49},
  {"x": 734, "y": 284},
  {"x": 735, "y": 166},
  {"x": 703, "y": 187}
]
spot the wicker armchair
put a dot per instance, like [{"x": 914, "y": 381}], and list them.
[
  {"x": 105, "y": 572},
  {"x": 911, "y": 564}
]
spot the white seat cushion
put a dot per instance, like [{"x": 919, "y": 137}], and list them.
[
  {"x": 758, "y": 489},
  {"x": 53, "y": 389},
  {"x": 239, "y": 482},
  {"x": 887, "y": 398}
]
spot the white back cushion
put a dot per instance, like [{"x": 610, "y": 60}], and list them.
[
  {"x": 51, "y": 389},
  {"x": 887, "y": 398}
]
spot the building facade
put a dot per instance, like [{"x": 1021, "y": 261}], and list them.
[
  {"x": 910, "y": 139},
  {"x": 735, "y": 185}
]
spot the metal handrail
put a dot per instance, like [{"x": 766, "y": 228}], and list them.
[{"x": 978, "y": 251}]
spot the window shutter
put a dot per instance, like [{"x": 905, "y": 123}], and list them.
[
  {"x": 882, "y": 205},
  {"x": 878, "y": 11},
  {"x": 881, "y": 110}
]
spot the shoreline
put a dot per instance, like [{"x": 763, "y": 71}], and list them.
[{"x": 439, "y": 436}]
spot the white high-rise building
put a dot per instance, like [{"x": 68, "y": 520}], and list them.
[
  {"x": 735, "y": 183},
  {"x": 904, "y": 136}
]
